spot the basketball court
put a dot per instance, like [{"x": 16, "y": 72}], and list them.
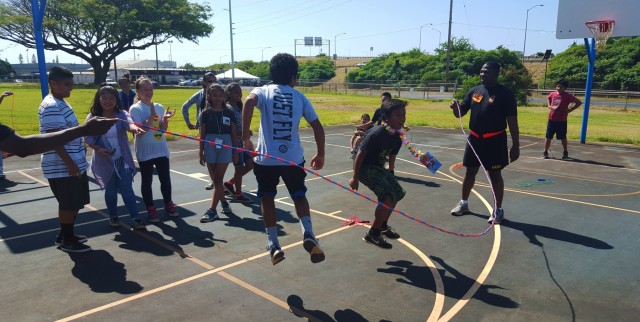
[{"x": 565, "y": 252}]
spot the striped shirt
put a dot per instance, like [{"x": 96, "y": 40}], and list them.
[{"x": 56, "y": 115}]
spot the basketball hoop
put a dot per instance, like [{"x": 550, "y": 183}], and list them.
[{"x": 601, "y": 30}]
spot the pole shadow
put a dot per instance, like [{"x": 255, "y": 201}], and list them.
[
  {"x": 592, "y": 162},
  {"x": 418, "y": 182}
]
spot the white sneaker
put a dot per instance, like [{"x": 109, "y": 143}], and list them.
[{"x": 460, "y": 209}]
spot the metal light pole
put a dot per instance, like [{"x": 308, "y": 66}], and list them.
[
  {"x": 170, "y": 56},
  {"x": 233, "y": 63},
  {"x": 439, "y": 36},
  {"x": 262, "y": 57},
  {"x": 335, "y": 49},
  {"x": 420, "y": 42},
  {"x": 526, "y": 25}
]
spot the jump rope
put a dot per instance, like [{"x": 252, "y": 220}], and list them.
[{"x": 409, "y": 146}]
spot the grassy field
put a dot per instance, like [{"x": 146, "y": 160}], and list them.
[{"x": 611, "y": 125}]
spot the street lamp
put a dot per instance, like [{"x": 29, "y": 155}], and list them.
[
  {"x": 439, "y": 35},
  {"x": 170, "y": 56},
  {"x": 420, "y": 41},
  {"x": 335, "y": 43},
  {"x": 526, "y": 24},
  {"x": 335, "y": 49},
  {"x": 262, "y": 58}
]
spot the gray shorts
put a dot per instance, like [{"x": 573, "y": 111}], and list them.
[{"x": 213, "y": 154}]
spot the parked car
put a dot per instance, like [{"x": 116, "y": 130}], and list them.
[
  {"x": 360, "y": 64},
  {"x": 111, "y": 82},
  {"x": 186, "y": 82}
]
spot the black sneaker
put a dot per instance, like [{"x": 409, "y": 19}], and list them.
[
  {"x": 78, "y": 239},
  {"x": 377, "y": 240},
  {"x": 241, "y": 198},
  {"x": 310, "y": 244},
  {"x": 114, "y": 222},
  {"x": 138, "y": 224},
  {"x": 277, "y": 255},
  {"x": 545, "y": 155},
  {"x": 565, "y": 155},
  {"x": 74, "y": 247},
  {"x": 390, "y": 233}
]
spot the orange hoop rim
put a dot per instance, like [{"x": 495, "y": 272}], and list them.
[{"x": 598, "y": 25}]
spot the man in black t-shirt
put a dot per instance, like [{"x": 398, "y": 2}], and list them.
[
  {"x": 377, "y": 114},
  {"x": 493, "y": 107}
]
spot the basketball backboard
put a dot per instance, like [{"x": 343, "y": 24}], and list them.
[{"x": 572, "y": 14}]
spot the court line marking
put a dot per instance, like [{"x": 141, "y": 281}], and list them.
[
  {"x": 573, "y": 177},
  {"x": 186, "y": 280},
  {"x": 483, "y": 274},
  {"x": 493, "y": 255},
  {"x": 543, "y": 195}
]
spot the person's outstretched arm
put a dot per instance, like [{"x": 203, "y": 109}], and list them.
[{"x": 23, "y": 146}]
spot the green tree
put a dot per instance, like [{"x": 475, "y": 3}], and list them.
[
  {"x": 6, "y": 68},
  {"x": 98, "y": 31},
  {"x": 418, "y": 68},
  {"x": 617, "y": 66},
  {"x": 318, "y": 69}
]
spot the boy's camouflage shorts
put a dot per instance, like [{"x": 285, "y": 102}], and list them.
[{"x": 381, "y": 182}]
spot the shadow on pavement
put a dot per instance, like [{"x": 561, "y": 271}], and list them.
[
  {"x": 102, "y": 273},
  {"x": 455, "y": 287}
]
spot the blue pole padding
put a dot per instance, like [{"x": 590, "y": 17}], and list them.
[
  {"x": 37, "y": 10},
  {"x": 591, "y": 54}
]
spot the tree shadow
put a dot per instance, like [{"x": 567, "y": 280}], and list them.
[
  {"x": 296, "y": 306},
  {"x": 102, "y": 273},
  {"x": 455, "y": 286}
]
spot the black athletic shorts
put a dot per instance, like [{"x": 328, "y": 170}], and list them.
[
  {"x": 493, "y": 152},
  {"x": 72, "y": 193},
  {"x": 559, "y": 128},
  {"x": 268, "y": 178}
]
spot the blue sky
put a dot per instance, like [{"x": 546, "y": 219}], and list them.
[{"x": 387, "y": 26}]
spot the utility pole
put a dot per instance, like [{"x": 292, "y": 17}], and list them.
[{"x": 446, "y": 71}]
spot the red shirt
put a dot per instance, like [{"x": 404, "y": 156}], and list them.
[{"x": 561, "y": 102}]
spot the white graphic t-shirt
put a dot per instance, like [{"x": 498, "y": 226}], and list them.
[
  {"x": 281, "y": 108},
  {"x": 152, "y": 144}
]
